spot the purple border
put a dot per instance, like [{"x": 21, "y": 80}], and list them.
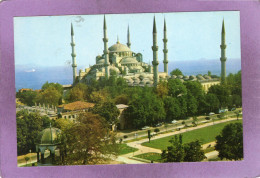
[{"x": 250, "y": 43}]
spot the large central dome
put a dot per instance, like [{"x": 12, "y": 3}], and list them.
[{"x": 118, "y": 47}]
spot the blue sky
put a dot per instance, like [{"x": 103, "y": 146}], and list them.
[{"x": 45, "y": 40}]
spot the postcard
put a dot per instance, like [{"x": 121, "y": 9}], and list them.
[{"x": 140, "y": 90}]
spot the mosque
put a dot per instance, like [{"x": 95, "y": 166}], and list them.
[{"x": 121, "y": 61}]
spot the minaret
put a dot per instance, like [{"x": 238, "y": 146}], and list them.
[
  {"x": 155, "y": 55},
  {"x": 223, "y": 54},
  {"x": 128, "y": 38},
  {"x": 105, "y": 40},
  {"x": 73, "y": 55},
  {"x": 165, "y": 50}
]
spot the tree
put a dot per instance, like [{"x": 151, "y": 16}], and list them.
[
  {"x": 27, "y": 97},
  {"x": 162, "y": 89},
  {"x": 223, "y": 94},
  {"x": 179, "y": 152},
  {"x": 99, "y": 96},
  {"x": 108, "y": 110},
  {"x": 212, "y": 103},
  {"x": 176, "y": 88},
  {"x": 175, "y": 152},
  {"x": 88, "y": 141},
  {"x": 122, "y": 99},
  {"x": 147, "y": 109},
  {"x": 172, "y": 109},
  {"x": 192, "y": 105},
  {"x": 78, "y": 93},
  {"x": 29, "y": 125},
  {"x": 57, "y": 86},
  {"x": 229, "y": 143},
  {"x": 176, "y": 72},
  {"x": 193, "y": 152},
  {"x": 49, "y": 96},
  {"x": 26, "y": 159}
]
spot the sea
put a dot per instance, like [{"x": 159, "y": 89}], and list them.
[{"x": 35, "y": 76}]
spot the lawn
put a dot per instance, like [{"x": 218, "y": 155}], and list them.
[
  {"x": 150, "y": 156},
  {"x": 124, "y": 149},
  {"x": 204, "y": 135}
]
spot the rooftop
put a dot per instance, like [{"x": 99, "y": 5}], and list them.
[{"x": 77, "y": 105}]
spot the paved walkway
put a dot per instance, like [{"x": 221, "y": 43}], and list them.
[{"x": 143, "y": 149}]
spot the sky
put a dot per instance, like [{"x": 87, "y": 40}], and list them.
[{"x": 45, "y": 40}]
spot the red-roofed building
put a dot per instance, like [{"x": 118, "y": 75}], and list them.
[{"x": 72, "y": 110}]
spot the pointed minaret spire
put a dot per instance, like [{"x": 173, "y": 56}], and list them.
[
  {"x": 106, "y": 52},
  {"x": 128, "y": 38},
  {"x": 155, "y": 55},
  {"x": 164, "y": 28},
  {"x": 117, "y": 40},
  {"x": 223, "y": 54},
  {"x": 73, "y": 55},
  {"x": 223, "y": 26},
  {"x": 154, "y": 25},
  {"x": 105, "y": 24}
]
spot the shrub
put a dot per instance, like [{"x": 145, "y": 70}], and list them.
[
  {"x": 125, "y": 136},
  {"x": 156, "y": 130}
]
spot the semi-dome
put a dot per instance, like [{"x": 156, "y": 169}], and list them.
[
  {"x": 101, "y": 61},
  {"x": 129, "y": 60},
  {"x": 118, "y": 47},
  {"x": 50, "y": 136}
]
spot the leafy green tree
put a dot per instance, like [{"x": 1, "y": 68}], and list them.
[
  {"x": 195, "y": 89},
  {"x": 78, "y": 93},
  {"x": 122, "y": 99},
  {"x": 88, "y": 141},
  {"x": 176, "y": 88},
  {"x": 26, "y": 159},
  {"x": 29, "y": 125},
  {"x": 212, "y": 103},
  {"x": 100, "y": 96},
  {"x": 172, "y": 109},
  {"x": 193, "y": 152},
  {"x": 49, "y": 96},
  {"x": 57, "y": 86},
  {"x": 162, "y": 89},
  {"x": 176, "y": 72},
  {"x": 223, "y": 94},
  {"x": 175, "y": 152},
  {"x": 192, "y": 105},
  {"x": 108, "y": 110},
  {"x": 229, "y": 143},
  {"x": 27, "y": 97},
  {"x": 179, "y": 152},
  {"x": 147, "y": 109}
]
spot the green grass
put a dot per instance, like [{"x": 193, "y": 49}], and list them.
[
  {"x": 209, "y": 149},
  {"x": 150, "y": 156},
  {"x": 124, "y": 149},
  {"x": 204, "y": 135}
]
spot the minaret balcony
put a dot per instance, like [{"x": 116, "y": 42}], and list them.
[
  {"x": 105, "y": 40},
  {"x": 72, "y": 44},
  {"x": 155, "y": 48},
  {"x": 165, "y": 50},
  {"x": 74, "y": 65},
  {"x": 73, "y": 55},
  {"x": 223, "y": 46},
  {"x": 223, "y": 59},
  {"x": 155, "y": 63},
  {"x": 165, "y": 40},
  {"x": 106, "y": 51},
  {"x": 165, "y": 62}
]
